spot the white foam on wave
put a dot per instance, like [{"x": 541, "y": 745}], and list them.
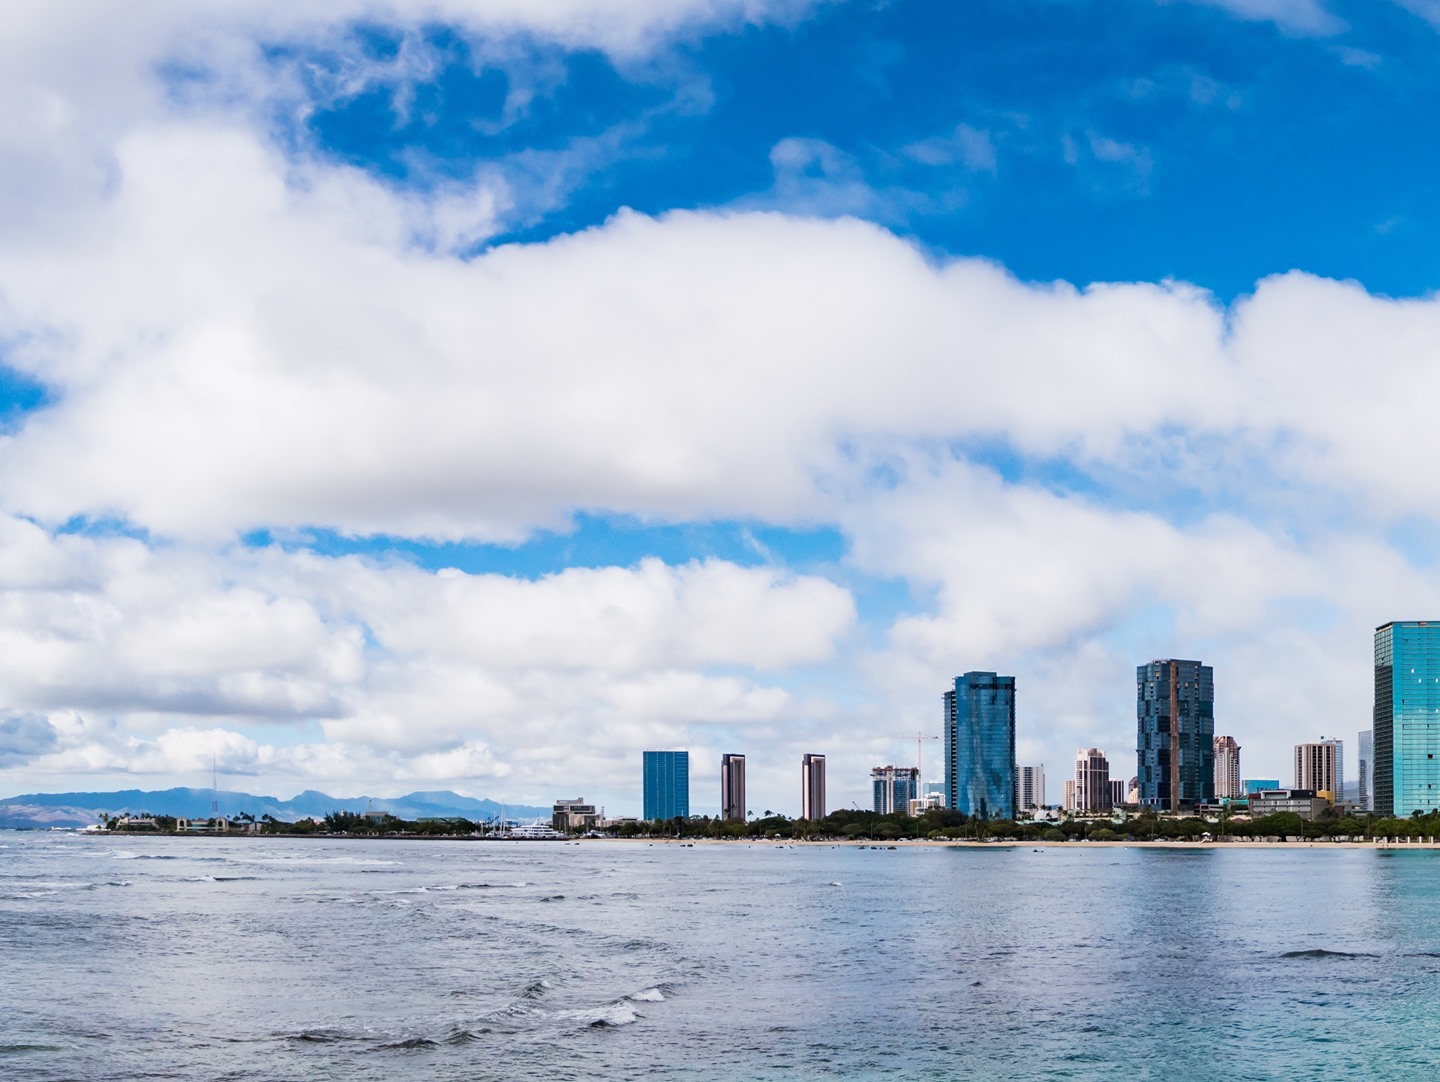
[
  {"x": 649, "y": 995},
  {"x": 614, "y": 1014}
]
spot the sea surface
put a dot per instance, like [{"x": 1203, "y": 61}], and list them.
[{"x": 257, "y": 958}]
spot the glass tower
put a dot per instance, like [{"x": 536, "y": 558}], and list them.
[
  {"x": 667, "y": 784},
  {"x": 1175, "y": 734},
  {"x": 980, "y": 745},
  {"x": 1407, "y": 718}
]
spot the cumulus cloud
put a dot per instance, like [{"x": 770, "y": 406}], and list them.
[{"x": 151, "y": 661}]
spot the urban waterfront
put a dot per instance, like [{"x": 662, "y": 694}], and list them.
[{"x": 162, "y": 957}]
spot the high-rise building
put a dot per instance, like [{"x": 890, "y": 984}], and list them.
[
  {"x": 894, "y": 787},
  {"x": 1227, "y": 769},
  {"x": 1366, "y": 790},
  {"x": 980, "y": 745},
  {"x": 1069, "y": 803},
  {"x": 1092, "y": 781},
  {"x": 812, "y": 787},
  {"x": 1175, "y": 732},
  {"x": 1117, "y": 792},
  {"x": 1032, "y": 787},
  {"x": 667, "y": 784},
  {"x": 1320, "y": 768},
  {"x": 732, "y": 787},
  {"x": 1407, "y": 709}
]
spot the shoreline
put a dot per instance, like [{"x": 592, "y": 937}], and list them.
[{"x": 783, "y": 843}]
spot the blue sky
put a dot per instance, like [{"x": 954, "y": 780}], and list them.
[
  {"x": 1120, "y": 141},
  {"x": 472, "y": 395}
]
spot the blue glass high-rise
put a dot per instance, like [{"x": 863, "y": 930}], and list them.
[
  {"x": 1407, "y": 718},
  {"x": 667, "y": 784},
  {"x": 1175, "y": 734},
  {"x": 980, "y": 745}
]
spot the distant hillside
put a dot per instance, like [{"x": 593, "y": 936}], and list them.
[{"x": 82, "y": 809}]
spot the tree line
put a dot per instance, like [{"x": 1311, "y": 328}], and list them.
[{"x": 940, "y": 824}]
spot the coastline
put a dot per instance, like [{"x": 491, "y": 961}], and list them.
[{"x": 794, "y": 843}]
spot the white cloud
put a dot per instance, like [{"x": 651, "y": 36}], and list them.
[
  {"x": 236, "y": 338},
  {"x": 1303, "y": 17},
  {"x": 142, "y": 661},
  {"x": 973, "y": 147}
]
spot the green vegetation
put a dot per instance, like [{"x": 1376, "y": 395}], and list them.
[
  {"x": 940, "y": 824},
  {"x": 937, "y": 824}
]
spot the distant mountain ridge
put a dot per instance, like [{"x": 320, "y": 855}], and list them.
[{"x": 82, "y": 809}]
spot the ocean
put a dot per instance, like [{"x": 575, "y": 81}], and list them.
[{"x": 262, "y": 958}]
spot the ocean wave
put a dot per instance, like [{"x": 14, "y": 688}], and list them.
[
  {"x": 614, "y": 1014},
  {"x": 1320, "y": 952},
  {"x": 649, "y": 995},
  {"x": 409, "y": 1044}
]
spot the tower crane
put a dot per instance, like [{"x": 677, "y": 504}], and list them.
[{"x": 919, "y": 738}]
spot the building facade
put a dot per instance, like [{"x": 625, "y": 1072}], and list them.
[
  {"x": 1032, "y": 787},
  {"x": 574, "y": 814},
  {"x": 667, "y": 784},
  {"x": 1227, "y": 769},
  {"x": 1092, "y": 781},
  {"x": 1069, "y": 803},
  {"x": 732, "y": 787},
  {"x": 980, "y": 745},
  {"x": 1117, "y": 792},
  {"x": 1407, "y": 718},
  {"x": 1320, "y": 768},
  {"x": 812, "y": 787},
  {"x": 893, "y": 787},
  {"x": 1303, "y": 802},
  {"x": 1175, "y": 734},
  {"x": 1365, "y": 765}
]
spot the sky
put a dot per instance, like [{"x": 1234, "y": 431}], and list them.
[{"x": 470, "y": 394}]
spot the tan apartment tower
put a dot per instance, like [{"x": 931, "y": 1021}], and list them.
[
  {"x": 812, "y": 787},
  {"x": 1320, "y": 767},
  {"x": 1092, "y": 781},
  {"x": 732, "y": 787},
  {"x": 1227, "y": 769}
]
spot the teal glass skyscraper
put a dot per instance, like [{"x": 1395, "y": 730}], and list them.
[
  {"x": 1407, "y": 718},
  {"x": 980, "y": 745},
  {"x": 667, "y": 784},
  {"x": 1175, "y": 734}
]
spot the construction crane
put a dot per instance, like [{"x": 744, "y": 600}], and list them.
[{"x": 919, "y": 739}]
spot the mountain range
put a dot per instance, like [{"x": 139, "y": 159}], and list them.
[{"x": 40, "y": 810}]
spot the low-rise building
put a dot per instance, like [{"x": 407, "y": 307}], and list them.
[
  {"x": 921, "y": 804},
  {"x": 202, "y": 826},
  {"x": 1303, "y": 802},
  {"x": 574, "y": 815}
]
